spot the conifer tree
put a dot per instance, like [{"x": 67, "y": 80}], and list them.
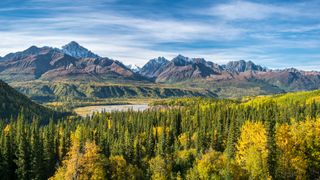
[{"x": 22, "y": 153}]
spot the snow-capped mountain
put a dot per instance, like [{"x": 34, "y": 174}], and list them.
[
  {"x": 70, "y": 62},
  {"x": 76, "y": 62},
  {"x": 75, "y": 50},
  {"x": 134, "y": 68}
]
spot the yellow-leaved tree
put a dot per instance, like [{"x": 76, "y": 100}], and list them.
[
  {"x": 82, "y": 163},
  {"x": 118, "y": 166},
  {"x": 291, "y": 162},
  {"x": 211, "y": 165},
  {"x": 159, "y": 168},
  {"x": 252, "y": 150},
  {"x": 120, "y": 169},
  {"x": 299, "y": 148}
]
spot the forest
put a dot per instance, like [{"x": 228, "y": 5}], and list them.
[{"x": 268, "y": 137}]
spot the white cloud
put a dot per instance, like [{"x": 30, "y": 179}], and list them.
[
  {"x": 126, "y": 38},
  {"x": 134, "y": 39},
  {"x": 237, "y": 10}
]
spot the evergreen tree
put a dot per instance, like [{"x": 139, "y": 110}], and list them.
[
  {"x": 37, "y": 171},
  {"x": 22, "y": 152}
]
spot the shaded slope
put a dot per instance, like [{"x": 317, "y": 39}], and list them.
[{"x": 13, "y": 102}]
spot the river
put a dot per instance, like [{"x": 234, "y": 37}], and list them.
[{"x": 89, "y": 110}]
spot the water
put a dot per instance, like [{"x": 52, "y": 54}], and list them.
[{"x": 89, "y": 110}]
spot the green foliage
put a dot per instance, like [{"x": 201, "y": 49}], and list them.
[
  {"x": 43, "y": 91},
  {"x": 188, "y": 138}
]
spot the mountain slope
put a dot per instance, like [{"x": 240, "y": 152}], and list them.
[
  {"x": 93, "y": 69},
  {"x": 72, "y": 62},
  {"x": 33, "y": 50},
  {"x": 242, "y": 66},
  {"x": 13, "y": 102},
  {"x": 183, "y": 68},
  {"x": 291, "y": 79},
  {"x": 197, "y": 72},
  {"x": 154, "y": 67},
  {"x": 29, "y": 64}
]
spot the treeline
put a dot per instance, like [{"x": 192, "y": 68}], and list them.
[{"x": 195, "y": 139}]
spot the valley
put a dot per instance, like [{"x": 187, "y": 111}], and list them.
[
  {"x": 47, "y": 74},
  {"x": 178, "y": 135},
  {"x": 159, "y": 90}
]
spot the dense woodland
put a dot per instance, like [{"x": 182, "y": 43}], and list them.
[
  {"x": 191, "y": 138},
  {"x": 12, "y": 102}
]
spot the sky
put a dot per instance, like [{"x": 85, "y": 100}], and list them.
[{"x": 276, "y": 34}]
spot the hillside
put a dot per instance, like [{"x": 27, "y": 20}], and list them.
[
  {"x": 43, "y": 91},
  {"x": 298, "y": 98},
  {"x": 13, "y": 102},
  {"x": 200, "y": 137}
]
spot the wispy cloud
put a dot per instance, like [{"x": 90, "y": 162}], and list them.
[
  {"x": 267, "y": 33},
  {"x": 122, "y": 37},
  {"x": 236, "y": 10}
]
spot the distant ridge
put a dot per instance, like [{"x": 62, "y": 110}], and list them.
[
  {"x": 240, "y": 73},
  {"x": 77, "y": 63}
]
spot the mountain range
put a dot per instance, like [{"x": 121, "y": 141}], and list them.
[
  {"x": 182, "y": 69},
  {"x": 77, "y": 63},
  {"x": 71, "y": 62}
]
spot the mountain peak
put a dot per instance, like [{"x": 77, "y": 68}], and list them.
[
  {"x": 242, "y": 66},
  {"x": 32, "y": 50},
  {"x": 73, "y": 43},
  {"x": 159, "y": 60},
  {"x": 180, "y": 56},
  {"x": 76, "y": 50},
  {"x": 154, "y": 66},
  {"x": 181, "y": 60}
]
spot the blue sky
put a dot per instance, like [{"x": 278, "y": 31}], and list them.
[{"x": 276, "y": 34}]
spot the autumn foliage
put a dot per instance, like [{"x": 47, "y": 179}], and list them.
[{"x": 259, "y": 138}]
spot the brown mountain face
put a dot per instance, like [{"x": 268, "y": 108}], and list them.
[
  {"x": 292, "y": 79},
  {"x": 29, "y": 64},
  {"x": 184, "y": 69},
  {"x": 90, "y": 68},
  {"x": 51, "y": 63},
  {"x": 74, "y": 62},
  {"x": 154, "y": 67}
]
